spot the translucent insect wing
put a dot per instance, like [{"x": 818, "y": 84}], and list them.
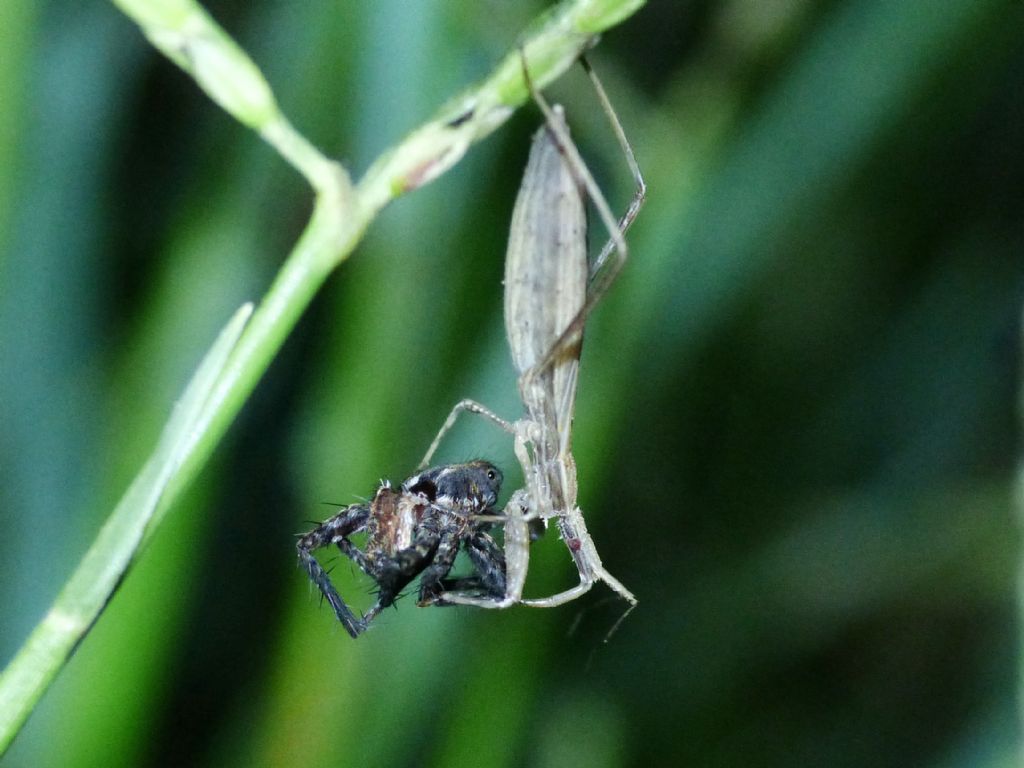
[{"x": 546, "y": 282}]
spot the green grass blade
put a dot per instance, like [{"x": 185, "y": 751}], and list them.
[{"x": 105, "y": 564}]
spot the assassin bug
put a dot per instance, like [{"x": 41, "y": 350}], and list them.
[{"x": 550, "y": 290}]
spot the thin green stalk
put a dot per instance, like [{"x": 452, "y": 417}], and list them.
[
  {"x": 230, "y": 370},
  {"x": 1019, "y": 503}
]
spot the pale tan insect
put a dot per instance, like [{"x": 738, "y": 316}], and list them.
[{"x": 549, "y": 291}]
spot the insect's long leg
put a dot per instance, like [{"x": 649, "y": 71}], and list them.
[
  {"x": 464, "y": 406},
  {"x": 601, "y": 278},
  {"x": 640, "y": 186},
  {"x": 574, "y": 531},
  {"x": 583, "y": 587}
]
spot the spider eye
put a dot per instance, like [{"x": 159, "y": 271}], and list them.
[{"x": 491, "y": 474}]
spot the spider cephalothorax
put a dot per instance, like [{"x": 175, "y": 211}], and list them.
[{"x": 415, "y": 530}]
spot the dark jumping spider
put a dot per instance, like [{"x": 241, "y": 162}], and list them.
[{"x": 416, "y": 531}]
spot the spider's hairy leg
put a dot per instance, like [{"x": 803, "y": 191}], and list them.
[
  {"x": 488, "y": 583},
  {"x": 501, "y": 574},
  {"x": 489, "y": 562},
  {"x": 440, "y": 566},
  {"x": 394, "y": 573},
  {"x": 334, "y": 531}
]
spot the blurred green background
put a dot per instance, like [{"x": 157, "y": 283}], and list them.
[{"x": 796, "y": 432}]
